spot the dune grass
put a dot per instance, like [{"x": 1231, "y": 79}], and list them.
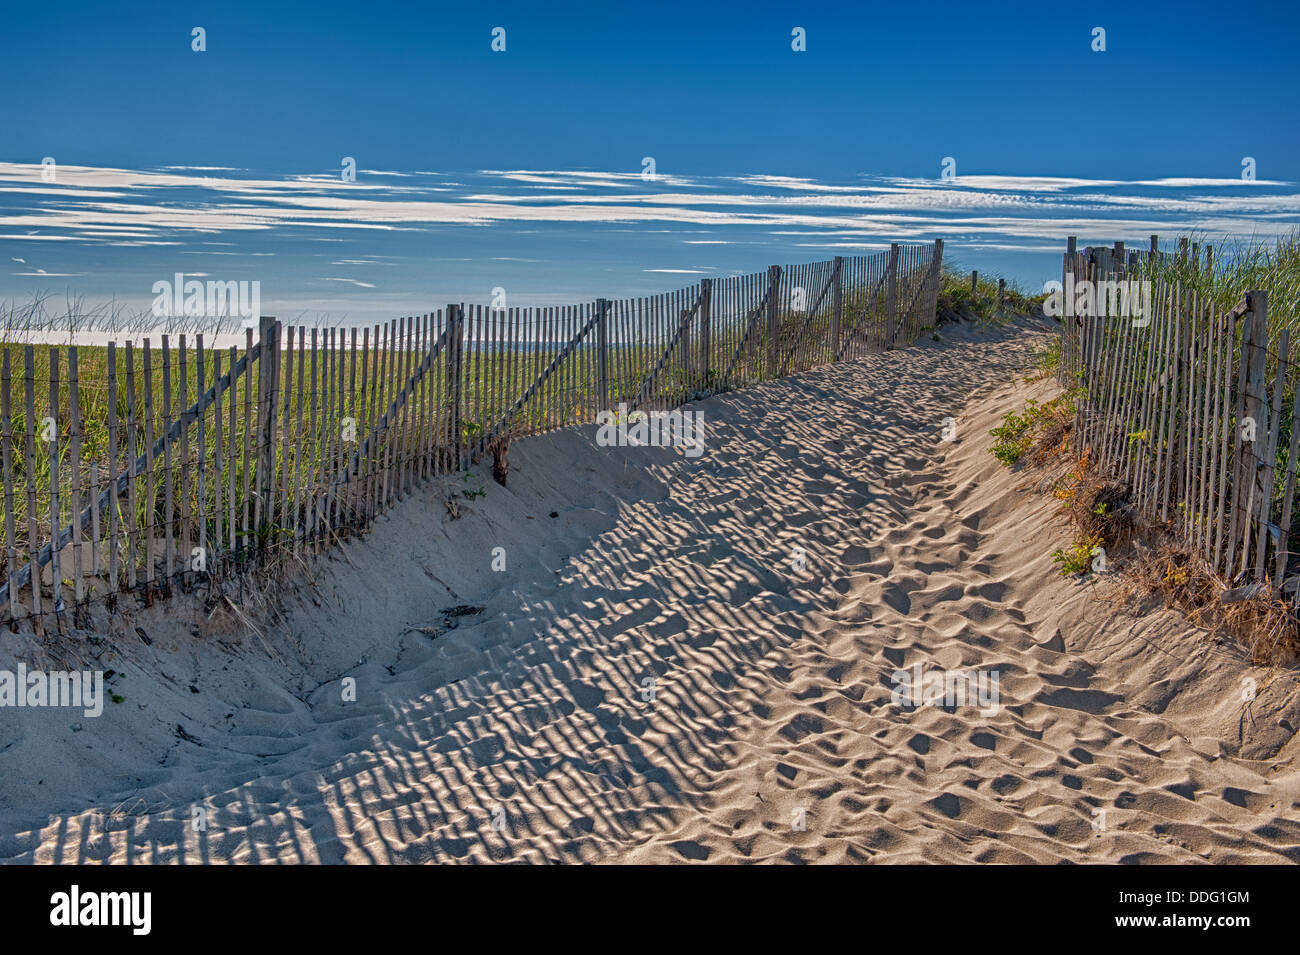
[
  {"x": 1238, "y": 266},
  {"x": 957, "y": 298}
]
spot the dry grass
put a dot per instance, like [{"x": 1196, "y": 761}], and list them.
[
  {"x": 1261, "y": 622},
  {"x": 1150, "y": 564}
]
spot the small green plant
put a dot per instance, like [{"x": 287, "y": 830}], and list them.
[
  {"x": 1077, "y": 557},
  {"x": 1013, "y": 439},
  {"x": 1017, "y": 433},
  {"x": 471, "y": 493}
]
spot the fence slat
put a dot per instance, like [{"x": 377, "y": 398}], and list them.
[
  {"x": 52, "y": 424},
  {"x": 150, "y": 474},
  {"x": 1270, "y": 455},
  {"x": 218, "y": 461},
  {"x": 1288, "y": 496},
  {"x": 6, "y": 464},
  {"x": 29, "y": 421},
  {"x": 74, "y": 464},
  {"x": 114, "y": 524}
]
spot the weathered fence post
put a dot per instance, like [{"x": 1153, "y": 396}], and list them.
[
  {"x": 56, "y": 573},
  {"x": 706, "y": 331},
  {"x": 936, "y": 268},
  {"x": 892, "y": 319},
  {"x": 1253, "y": 426},
  {"x": 6, "y": 455},
  {"x": 455, "y": 398},
  {"x": 1154, "y": 254},
  {"x": 1069, "y": 351},
  {"x": 33, "y": 527},
  {"x": 1269, "y": 462},
  {"x": 1120, "y": 259},
  {"x": 268, "y": 333},
  {"x": 1002, "y": 291},
  {"x": 974, "y": 278},
  {"x": 773, "y": 318},
  {"x": 1184, "y": 249},
  {"x": 74, "y": 460},
  {"x": 602, "y": 355},
  {"x": 1288, "y": 488},
  {"x": 837, "y": 304},
  {"x": 1082, "y": 327}
]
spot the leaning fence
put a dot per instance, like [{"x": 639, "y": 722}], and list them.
[
  {"x": 1191, "y": 405},
  {"x": 142, "y": 467}
]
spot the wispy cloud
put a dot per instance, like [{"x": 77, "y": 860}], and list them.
[{"x": 123, "y": 207}]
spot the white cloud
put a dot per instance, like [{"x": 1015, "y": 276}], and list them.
[{"x": 126, "y": 208}]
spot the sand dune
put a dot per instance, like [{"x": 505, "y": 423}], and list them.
[{"x": 657, "y": 677}]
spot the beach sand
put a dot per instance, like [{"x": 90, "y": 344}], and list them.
[{"x": 657, "y": 677}]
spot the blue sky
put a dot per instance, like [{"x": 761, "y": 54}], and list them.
[{"x": 522, "y": 169}]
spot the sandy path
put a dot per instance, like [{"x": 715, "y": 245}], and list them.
[{"x": 527, "y": 732}]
